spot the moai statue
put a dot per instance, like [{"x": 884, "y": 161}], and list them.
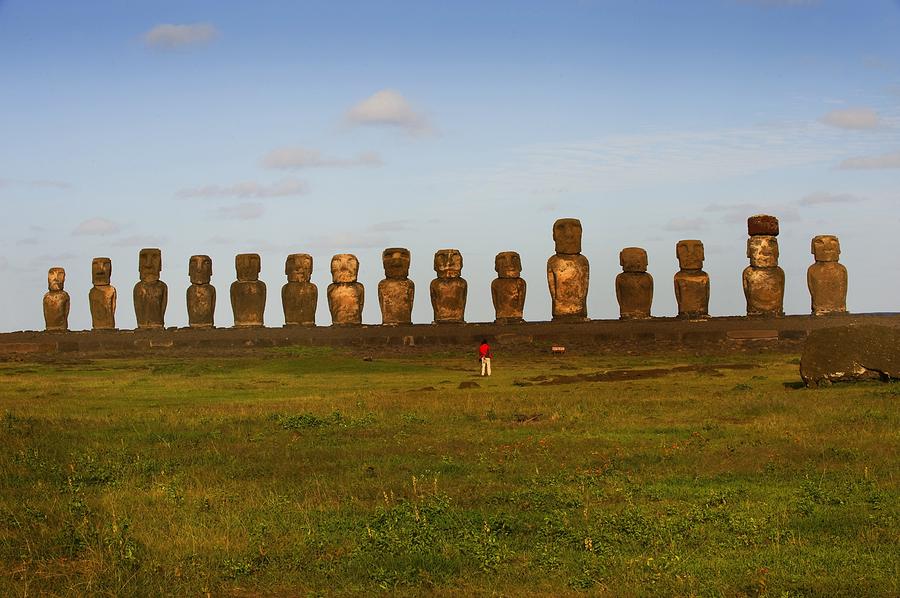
[
  {"x": 151, "y": 295},
  {"x": 763, "y": 280},
  {"x": 568, "y": 272},
  {"x": 634, "y": 287},
  {"x": 691, "y": 282},
  {"x": 102, "y": 296},
  {"x": 56, "y": 301},
  {"x": 248, "y": 292},
  {"x": 345, "y": 295},
  {"x": 396, "y": 291},
  {"x": 449, "y": 289},
  {"x": 827, "y": 279},
  {"x": 201, "y": 296},
  {"x": 508, "y": 289},
  {"x": 299, "y": 297}
]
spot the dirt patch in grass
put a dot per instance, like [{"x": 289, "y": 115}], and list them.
[{"x": 620, "y": 375}]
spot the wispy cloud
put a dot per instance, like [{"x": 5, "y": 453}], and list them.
[
  {"x": 859, "y": 118},
  {"x": 170, "y": 36},
  {"x": 389, "y": 108},
  {"x": 96, "y": 226},
  {"x": 681, "y": 225},
  {"x": 301, "y": 157},
  {"x": 140, "y": 241},
  {"x": 739, "y": 212},
  {"x": 36, "y": 183},
  {"x": 824, "y": 198},
  {"x": 241, "y": 211},
  {"x": 246, "y": 190},
  {"x": 879, "y": 162}
]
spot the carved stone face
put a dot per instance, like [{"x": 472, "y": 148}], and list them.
[
  {"x": 633, "y": 259},
  {"x": 567, "y": 235},
  {"x": 56, "y": 279},
  {"x": 150, "y": 264},
  {"x": 344, "y": 267},
  {"x": 396, "y": 262},
  {"x": 200, "y": 269},
  {"x": 247, "y": 266},
  {"x": 448, "y": 263},
  {"x": 690, "y": 254},
  {"x": 298, "y": 267},
  {"x": 508, "y": 264},
  {"x": 763, "y": 251},
  {"x": 826, "y": 248},
  {"x": 101, "y": 271}
]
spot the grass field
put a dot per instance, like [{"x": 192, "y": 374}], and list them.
[{"x": 316, "y": 472}]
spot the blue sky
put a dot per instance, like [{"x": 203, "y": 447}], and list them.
[{"x": 330, "y": 127}]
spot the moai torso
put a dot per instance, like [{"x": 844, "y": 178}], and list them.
[
  {"x": 299, "y": 297},
  {"x": 346, "y": 296},
  {"x": 763, "y": 280},
  {"x": 568, "y": 272},
  {"x": 151, "y": 295},
  {"x": 396, "y": 292},
  {"x": 56, "y": 301},
  {"x": 201, "y": 295},
  {"x": 691, "y": 282},
  {"x": 508, "y": 289},
  {"x": 827, "y": 279},
  {"x": 634, "y": 287},
  {"x": 449, "y": 289},
  {"x": 248, "y": 292},
  {"x": 102, "y": 296}
]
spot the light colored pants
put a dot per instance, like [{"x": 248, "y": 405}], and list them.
[{"x": 486, "y": 365}]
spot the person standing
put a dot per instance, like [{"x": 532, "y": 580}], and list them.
[{"x": 484, "y": 352}]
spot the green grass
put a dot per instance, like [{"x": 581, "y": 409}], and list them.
[{"x": 314, "y": 472}]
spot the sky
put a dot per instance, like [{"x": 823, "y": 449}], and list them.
[{"x": 324, "y": 127}]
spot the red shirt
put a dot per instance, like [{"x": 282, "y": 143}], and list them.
[{"x": 484, "y": 351}]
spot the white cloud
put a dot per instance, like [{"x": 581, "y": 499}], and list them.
[
  {"x": 881, "y": 162},
  {"x": 300, "y": 157},
  {"x": 388, "y": 108},
  {"x": 860, "y": 118},
  {"x": 241, "y": 211},
  {"x": 174, "y": 36},
  {"x": 96, "y": 226},
  {"x": 823, "y": 198},
  {"x": 247, "y": 189}
]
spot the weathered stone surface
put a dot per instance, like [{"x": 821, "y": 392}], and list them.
[
  {"x": 691, "y": 282},
  {"x": 449, "y": 289},
  {"x": 151, "y": 295},
  {"x": 634, "y": 287},
  {"x": 346, "y": 296},
  {"x": 763, "y": 280},
  {"x": 201, "y": 295},
  {"x": 508, "y": 289},
  {"x": 396, "y": 292},
  {"x": 848, "y": 353},
  {"x": 56, "y": 301},
  {"x": 762, "y": 224},
  {"x": 102, "y": 296},
  {"x": 568, "y": 272},
  {"x": 299, "y": 297},
  {"x": 826, "y": 278},
  {"x": 248, "y": 292}
]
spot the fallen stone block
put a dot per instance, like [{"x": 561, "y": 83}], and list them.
[{"x": 851, "y": 353}]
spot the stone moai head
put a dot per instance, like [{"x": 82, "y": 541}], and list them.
[
  {"x": 448, "y": 263},
  {"x": 396, "y": 262},
  {"x": 508, "y": 264},
  {"x": 101, "y": 271},
  {"x": 567, "y": 235},
  {"x": 298, "y": 267},
  {"x": 200, "y": 269},
  {"x": 762, "y": 224},
  {"x": 344, "y": 268},
  {"x": 247, "y": 266},
  {"x": 763, "y": 251},
  {"x": 633, "y": 259},
  {"x": 56, "y": 279},
  {"x": 690, "y": 254},
  {"x": 150, "y": 264},
  {"x": 826, "y": 248}
]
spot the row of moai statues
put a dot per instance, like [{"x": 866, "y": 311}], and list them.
[{"x": 568, "y": 275}]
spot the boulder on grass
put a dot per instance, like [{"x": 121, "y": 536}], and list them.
[{"x": 851, "y": 353}]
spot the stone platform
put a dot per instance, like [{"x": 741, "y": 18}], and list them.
[{"x": 703, "y": 336}]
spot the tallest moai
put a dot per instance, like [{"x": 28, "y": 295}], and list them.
[
  {"x": 763, "y": 279},
  {"x": 568, "y": 272}
]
